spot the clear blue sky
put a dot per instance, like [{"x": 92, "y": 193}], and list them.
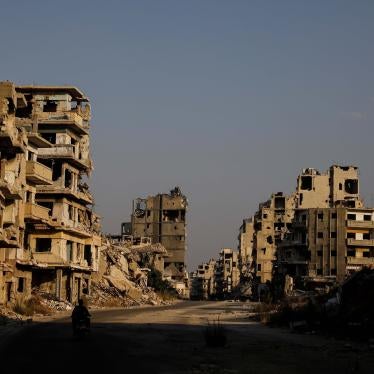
[{"x": 228, "y": 99}]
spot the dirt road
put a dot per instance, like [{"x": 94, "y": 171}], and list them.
[{"x": 171, "y": 340}]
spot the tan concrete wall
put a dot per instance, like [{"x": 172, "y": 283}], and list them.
[{"x": 318, "y": 196}]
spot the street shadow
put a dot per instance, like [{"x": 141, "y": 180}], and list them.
[{"x": 166, "y": 348}]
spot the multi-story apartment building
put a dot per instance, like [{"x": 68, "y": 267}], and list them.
[
  {"x": 271, "y": 223},
  {"x": 245, "y": 247},
  {"x": 163, "y": 219},
  {"x": 13, "y": 145},
  {"x": 55, "y": 232},
  {"x": 298, "y": 232},
  {"x": 226, "y": 274},
  {"x": 202, "y": 281},
  {"x": 328, "y": 244}
]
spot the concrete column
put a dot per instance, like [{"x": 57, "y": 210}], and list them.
[
  {"x": 58, "y": 283},
  {"x": 89, "y": 285}
]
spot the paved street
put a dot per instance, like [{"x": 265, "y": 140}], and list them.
[{"x": 171, "y": 340}]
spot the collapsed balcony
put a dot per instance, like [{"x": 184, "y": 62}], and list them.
[
  {"x": 9, "y": 237},
  {"x": 10, "y": 138}
]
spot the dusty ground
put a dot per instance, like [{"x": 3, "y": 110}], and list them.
[{"x": 171, "y": 340}]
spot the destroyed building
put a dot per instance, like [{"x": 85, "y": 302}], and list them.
[
  {"x": 338, "y": 186},
  {"x": 327, "y": 245},
  {"x": 226, "y": 273},
  {"x": 122, "y": 277},
  {"x": 163, "y": 219},
  {"x": 318, "y": 239},
  {"x": 271, "y": 222},
  {"x": 245, "y": 247},
  {"x": 324, "y": 243},
  {"x": 50, "y": 235},
  {"x": 319, "y": 234},
  {"x": 202, "y": 281}
]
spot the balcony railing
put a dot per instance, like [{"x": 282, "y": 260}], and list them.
[
  {"x": 64, "y": 118},
  {"x": 38, "y": 173},
  {"x": 361, "y": 243},
  {"x": 58, "y": 189},
  {"x": 360, "y": 261},
  {"x": 360, "y": 224},
  {"x": 67, "y": 151},
  {"x": 36, "y": 212}
]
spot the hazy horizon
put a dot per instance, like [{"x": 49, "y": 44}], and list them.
[{"x": 228, "y": 100}]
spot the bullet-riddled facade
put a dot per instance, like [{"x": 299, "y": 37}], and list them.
[
  {"x": 314, "y": 244},
  {"x": 338, "y": 186},
  {"x": 163, "y": 219},
  {"x": 45, "y": 157}
]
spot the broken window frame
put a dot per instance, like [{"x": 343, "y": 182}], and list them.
[{"x": 43, "y": 245}]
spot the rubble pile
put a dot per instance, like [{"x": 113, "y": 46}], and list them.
[
  {"x": 122, "y": 279},
  {"x": 51, "y": 302},
  {"x": 353, "y": 305},
  {"x": 347, "y": 310},
  {"x": 104, "y": 295},
  {"x": 9, "y": 316}
]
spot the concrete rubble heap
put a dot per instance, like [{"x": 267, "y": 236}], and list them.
[{"x": 121, "y": 280}]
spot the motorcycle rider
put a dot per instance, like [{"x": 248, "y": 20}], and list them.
[{"x": 80, "y": 313}]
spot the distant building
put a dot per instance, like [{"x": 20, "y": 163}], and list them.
[
  {"x": 307, "y": 234},
  {"x": 226, "y": 275},
  {"x": 328, "y": 244},
  {"x": 163, "y": 219},
  {"x": 245, "y": 247},
  {"x": 202, "y": 281},
  {"x": 339, "y": 186},
  {"x": 271, "y": 222}
]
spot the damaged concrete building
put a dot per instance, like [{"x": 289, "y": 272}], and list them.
[
  {"x": 331, "y": 232},
  {"x": 245, "y": 247},
  {"x": 271, "y": 222},
  {"x": 338, "y": 186},
  {"x": 320, "y": 233},
  {"x": 202, "y": 282},
  {"x": 328, "y": 244},
  {"x": 226, "y": 274},
  {"x": 51, "y": 236},
  {"x": 163, "y": 219}
]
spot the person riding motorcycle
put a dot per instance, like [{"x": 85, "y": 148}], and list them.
[{"x": 79, "y": 315}]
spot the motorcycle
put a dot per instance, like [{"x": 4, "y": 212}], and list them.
[{"x": 82, "y": 326}]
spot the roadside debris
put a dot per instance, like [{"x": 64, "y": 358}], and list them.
[
  {"x": 345, "y": 311},
  {"x": 122, "y": 280}
]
